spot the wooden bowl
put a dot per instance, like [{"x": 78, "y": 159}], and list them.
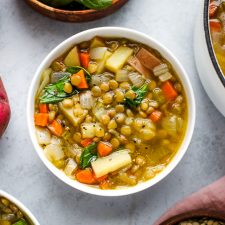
[
  {"x": 196, "y": 214},
  {"x": 73, "y": 15}
]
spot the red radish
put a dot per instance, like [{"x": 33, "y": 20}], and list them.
[{"x": 5, "y": 111}]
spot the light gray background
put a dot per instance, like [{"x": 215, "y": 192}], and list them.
[{"x": 25, "y": 39}]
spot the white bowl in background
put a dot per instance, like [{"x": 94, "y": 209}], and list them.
[
  {"x": 27, "y": 213},
  {"x": 119, "y": 33},
  {"x": 209, "y": 70}
]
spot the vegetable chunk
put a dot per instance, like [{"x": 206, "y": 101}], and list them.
[
  {"x": 111, "y": 163},
  {"x": 118, "y": 58},
  {"x": 72, "y": 59},
  {"x": 147, "y": 59}
]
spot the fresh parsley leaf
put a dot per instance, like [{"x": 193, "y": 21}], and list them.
[
  {"x": 54, "y": 93},
  {"x": 88, "y": 155},
  {"x": 20, "y": 222},
  {"x": 140, "y": 94},
  {"x": 75, "y": 69},
  {"x": 96, "y": 4}
]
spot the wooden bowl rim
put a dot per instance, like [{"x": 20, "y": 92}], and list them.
[
  {"x": 71, "y": 12},
  {"x": 195, "y": 214}
]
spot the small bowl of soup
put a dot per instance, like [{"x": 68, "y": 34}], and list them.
[
  {"x": 110, "y": 111},
  {"x": 13, "y": 212},
  {"x": 209, "y": 45}
]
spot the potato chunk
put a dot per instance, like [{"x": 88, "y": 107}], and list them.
[
  {"x": 147, "y": 59},
  {"x": 72, "y": 59},
  {"x": 118, "y": 58},
  {"x": 111, "y": 163}
]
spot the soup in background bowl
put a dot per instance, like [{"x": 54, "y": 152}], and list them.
[
  {"x": 110, "y": 112},
  {"x": 209, "y": 50},
  {"x": 12, "y": 212}
]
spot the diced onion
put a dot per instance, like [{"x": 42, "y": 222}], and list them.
[
  {"x": 161, "y": 69},
  {"x": 98, "y": 53},
  {"x": 86, "y": 100},
  {"x": 136, "y": 79},
  {"x": 54, "y": 152},
  {"x": 100, "y": 78},
  {"x": 122, "y": 75},
  {"x": 172, "y": 124},
  {"x": 71, "y": 166},
  {"x": 43, "y": 136},
  {"x": 164, "y": 77}
]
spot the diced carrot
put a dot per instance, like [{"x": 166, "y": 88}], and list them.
[
  {"x": 215, "y": 25},
  {"x": 105, "y": 185},
  {"x": 156, "y": 116},
  {"x": 85, "y": 176},
  {"x": 85, "y": 59},
  {"x": 56, "y": 128},
  {"x": 169, "y": 91},
  {"x": 41, "y": 119},
  {"x": 43, "y": 108},
  {"x": 101, "y": 179},
  {"x": 104, "y": 148},
  {"x": 83, "y": 84},
  {"x": 212, "y": 8},
  {"x": 86, "y": 142}
]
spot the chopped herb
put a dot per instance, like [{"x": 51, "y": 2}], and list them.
[
  {"x": 140, "y": 94},
  {"x": 88, "y": 155}
]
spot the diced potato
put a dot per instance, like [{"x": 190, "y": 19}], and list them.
[
  {"x": 69, "y": 114},
  {"x": 54, "y": 152},
  {"x": 72, "y": 59},
  {"x": 88, "y": 130},
  {"x": 147, "y": 59},
  {"x": 111, "y": 163},
  {"x": 136, "y": 64},
  {"x": 98, "y": 53},
  {"x": 118, "y": 58},
  {"x": 71, "y": 166},
  {"x": 101, "y": 65},
  {"x": 43, "y": 136},
  {"x": 97, "y": 42}
]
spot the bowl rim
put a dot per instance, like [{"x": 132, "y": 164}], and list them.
[
  {"x": 20, "y": 206},
  {"x": 208, "y": 39},
  {"x": 132, "y": 35},
  {"x": 72, "y": 12}
]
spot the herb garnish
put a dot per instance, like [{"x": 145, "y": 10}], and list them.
[
  {"x": 140, "y": 94},
  {"x": 88, "y": 155}
]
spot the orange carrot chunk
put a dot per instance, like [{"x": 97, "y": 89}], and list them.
[
  {"x": 56, "y": 128},
  {"x": 215, "y": 25},
  {"x": 86, "y": 142},
  {"x": 212, "y": 8},
  {"x": 43, "y": 108},
  {"x": 83, "y": 84},
  {"x": 41, "y": 119},
  {"x": 169, "y": 91},
  {"x": 85, "y": 176},
  {"x": 156, "y": 116},
  {"x": 101, "y": 179},
  {"x": 85, "y": 59},
  {"x": 104, "y": 148}
]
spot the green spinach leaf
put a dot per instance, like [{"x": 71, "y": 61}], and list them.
[
  {"x": 54, "y": 93},
  {"x": 140, "y": 94},
  {"x": 96, "y": 4},
  {"x": 57, "y": 3},
  {"x": 88, "y": 155}
]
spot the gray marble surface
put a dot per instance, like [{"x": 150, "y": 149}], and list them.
[{"x": 25, "y": 39}]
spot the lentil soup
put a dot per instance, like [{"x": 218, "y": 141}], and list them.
[
  {"x": 10, "y": 214},
  {"x": 110, "y": 113}
]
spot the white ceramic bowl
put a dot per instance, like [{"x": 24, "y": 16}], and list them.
[
  {"x": 123, "y": 33},
  {"x": 210, "y": 73},
  {"x": 25, "y": 210}
]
